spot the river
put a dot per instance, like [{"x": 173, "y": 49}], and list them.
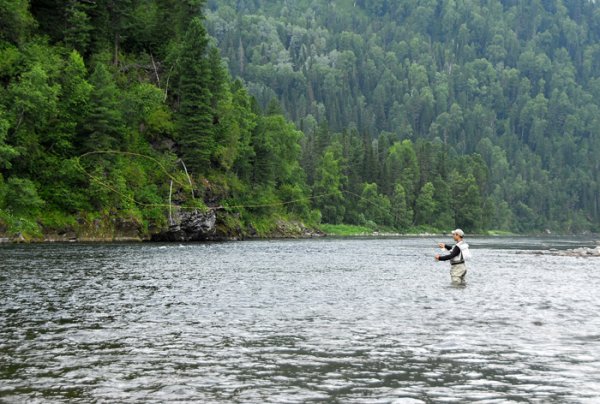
[{"x": 330, "y": 320}]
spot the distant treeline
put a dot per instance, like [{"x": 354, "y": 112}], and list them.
[
  {"x": 516, "y": 82},
  {"x": 421, "y": 114}
]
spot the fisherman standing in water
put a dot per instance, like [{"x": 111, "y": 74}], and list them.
[{"x": 457, "y": 256}]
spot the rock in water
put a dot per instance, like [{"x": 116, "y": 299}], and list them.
[
  {"x": 580, "y": 252},
  {"x": 190, "y": 226}
]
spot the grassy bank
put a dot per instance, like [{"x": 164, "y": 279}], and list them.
[
  {"x": 348, "y": 230},
  {"x": 498, "y": 233},
  {"x": 342, "y": 230},
  {"x": 127, "y": 226}
]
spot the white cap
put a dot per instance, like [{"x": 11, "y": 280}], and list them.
[{"x": 459, "y": 232}]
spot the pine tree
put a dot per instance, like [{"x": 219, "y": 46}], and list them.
[
  {"x": 103, "y": 128},
  {"x": 196, "y": 134},
  {"x": 15, "y": 20},
  {"x": 425, "y": 205},
  {"x": 74, "y": 102},
  {"x": 218, "y": 78},
  {"x": 119, "y": 19},
  {"x": 328, "y": 186},
  {"x": 78, "y": 27},
  {"x": 402, "y": 215}
]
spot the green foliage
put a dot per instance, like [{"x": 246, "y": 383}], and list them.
[
  {"x": 425, "y": 205},
  {"x": 413, "y": 116},
  {"x": 7, "y": 152},
  {"x": 21, "y": 197},
  {"x": 401, "y": 166},
  {"x": 104, "y": 126},
  {"x": 15, "y": 20},
  {"x": 22, "y": 226},
  {"x": 402, "y": 215},
  {"x": 195, "y": 132},
  {"x": 78, "y": 27},
  {"x": 58, "y": 220},
  {"x": 467, "y": 202},
  {"x": 33, "y": 108},
  {"x": 327, "y": 189},
  {"x": 374, "y": 206},
  {"x": 517, "y": 84},
  {"x": 146, "y": 111}
]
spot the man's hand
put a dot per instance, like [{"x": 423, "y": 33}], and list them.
[
  {"x": 442, "y": 245},
  {"x": 437, "y": 257}
]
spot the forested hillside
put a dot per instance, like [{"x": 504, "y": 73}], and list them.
[
  {"x": 413, "y": 115},
  {"x": 140, "y": 82},
  {"x": 491, "y": 107}
]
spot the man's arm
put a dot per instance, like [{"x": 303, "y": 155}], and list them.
[{"x": 454, "y": 253}]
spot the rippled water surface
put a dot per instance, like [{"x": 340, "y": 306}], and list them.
[{"x": 355, "y": 320}]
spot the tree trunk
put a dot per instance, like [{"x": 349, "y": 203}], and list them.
[{"x": 116, "y": 57}]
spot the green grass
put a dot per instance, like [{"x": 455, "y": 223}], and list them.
[
  {"x": 58, "y": 220},
  {"x": 498, "y": 233},
  {"x": 14, "y": 225},
  {"x": 424, "y": 229},
  {"x": 263, "y": 225},
  {"x": 344, "y": 230}
]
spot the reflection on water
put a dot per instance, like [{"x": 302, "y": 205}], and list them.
[{"x": 371, "y": 320}]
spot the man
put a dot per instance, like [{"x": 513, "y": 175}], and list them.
[{"x": 458, "y": 270}]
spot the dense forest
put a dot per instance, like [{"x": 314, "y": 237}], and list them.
[
  {"x": 491, "y": 107},
  {"x": 112, "y": 111},
  {"x": 413, "y": 115}
]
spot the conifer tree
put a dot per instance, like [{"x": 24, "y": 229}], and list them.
[
  {"x": 402, "y": 215},
  {"x": 196, "y": 134},
  {"x": 78, "y": 27},
  {"x": 425, "y": 205},
  {"x": 103, "y": 128}
]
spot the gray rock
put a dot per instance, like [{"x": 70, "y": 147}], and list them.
[
  {"x": 581, "y": 252},
  {"x": 190, "y": 225}
]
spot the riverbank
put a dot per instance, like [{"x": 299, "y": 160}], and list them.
[
  {"x": 210, "y": 225},
  {"x": 346, "y": 230}
]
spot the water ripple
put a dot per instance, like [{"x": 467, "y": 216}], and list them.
[{"x": 370, "y": 320}]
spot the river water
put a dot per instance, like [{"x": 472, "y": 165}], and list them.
[{"x": 331, "y": 320}]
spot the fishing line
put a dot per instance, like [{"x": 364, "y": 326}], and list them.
[
  {"x": 128, "y": 197},
  {"x": 175, "y": 180},
  {"x": 156, "y": 161}
]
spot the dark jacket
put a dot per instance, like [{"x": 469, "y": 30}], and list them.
[{"x": 454, "y": 252}]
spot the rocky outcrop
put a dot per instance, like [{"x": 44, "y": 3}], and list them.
[
  {"x": 190, "y": 225},
  {"x": 294, "y": 229},
  {"x": 584, "y": 252}
]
